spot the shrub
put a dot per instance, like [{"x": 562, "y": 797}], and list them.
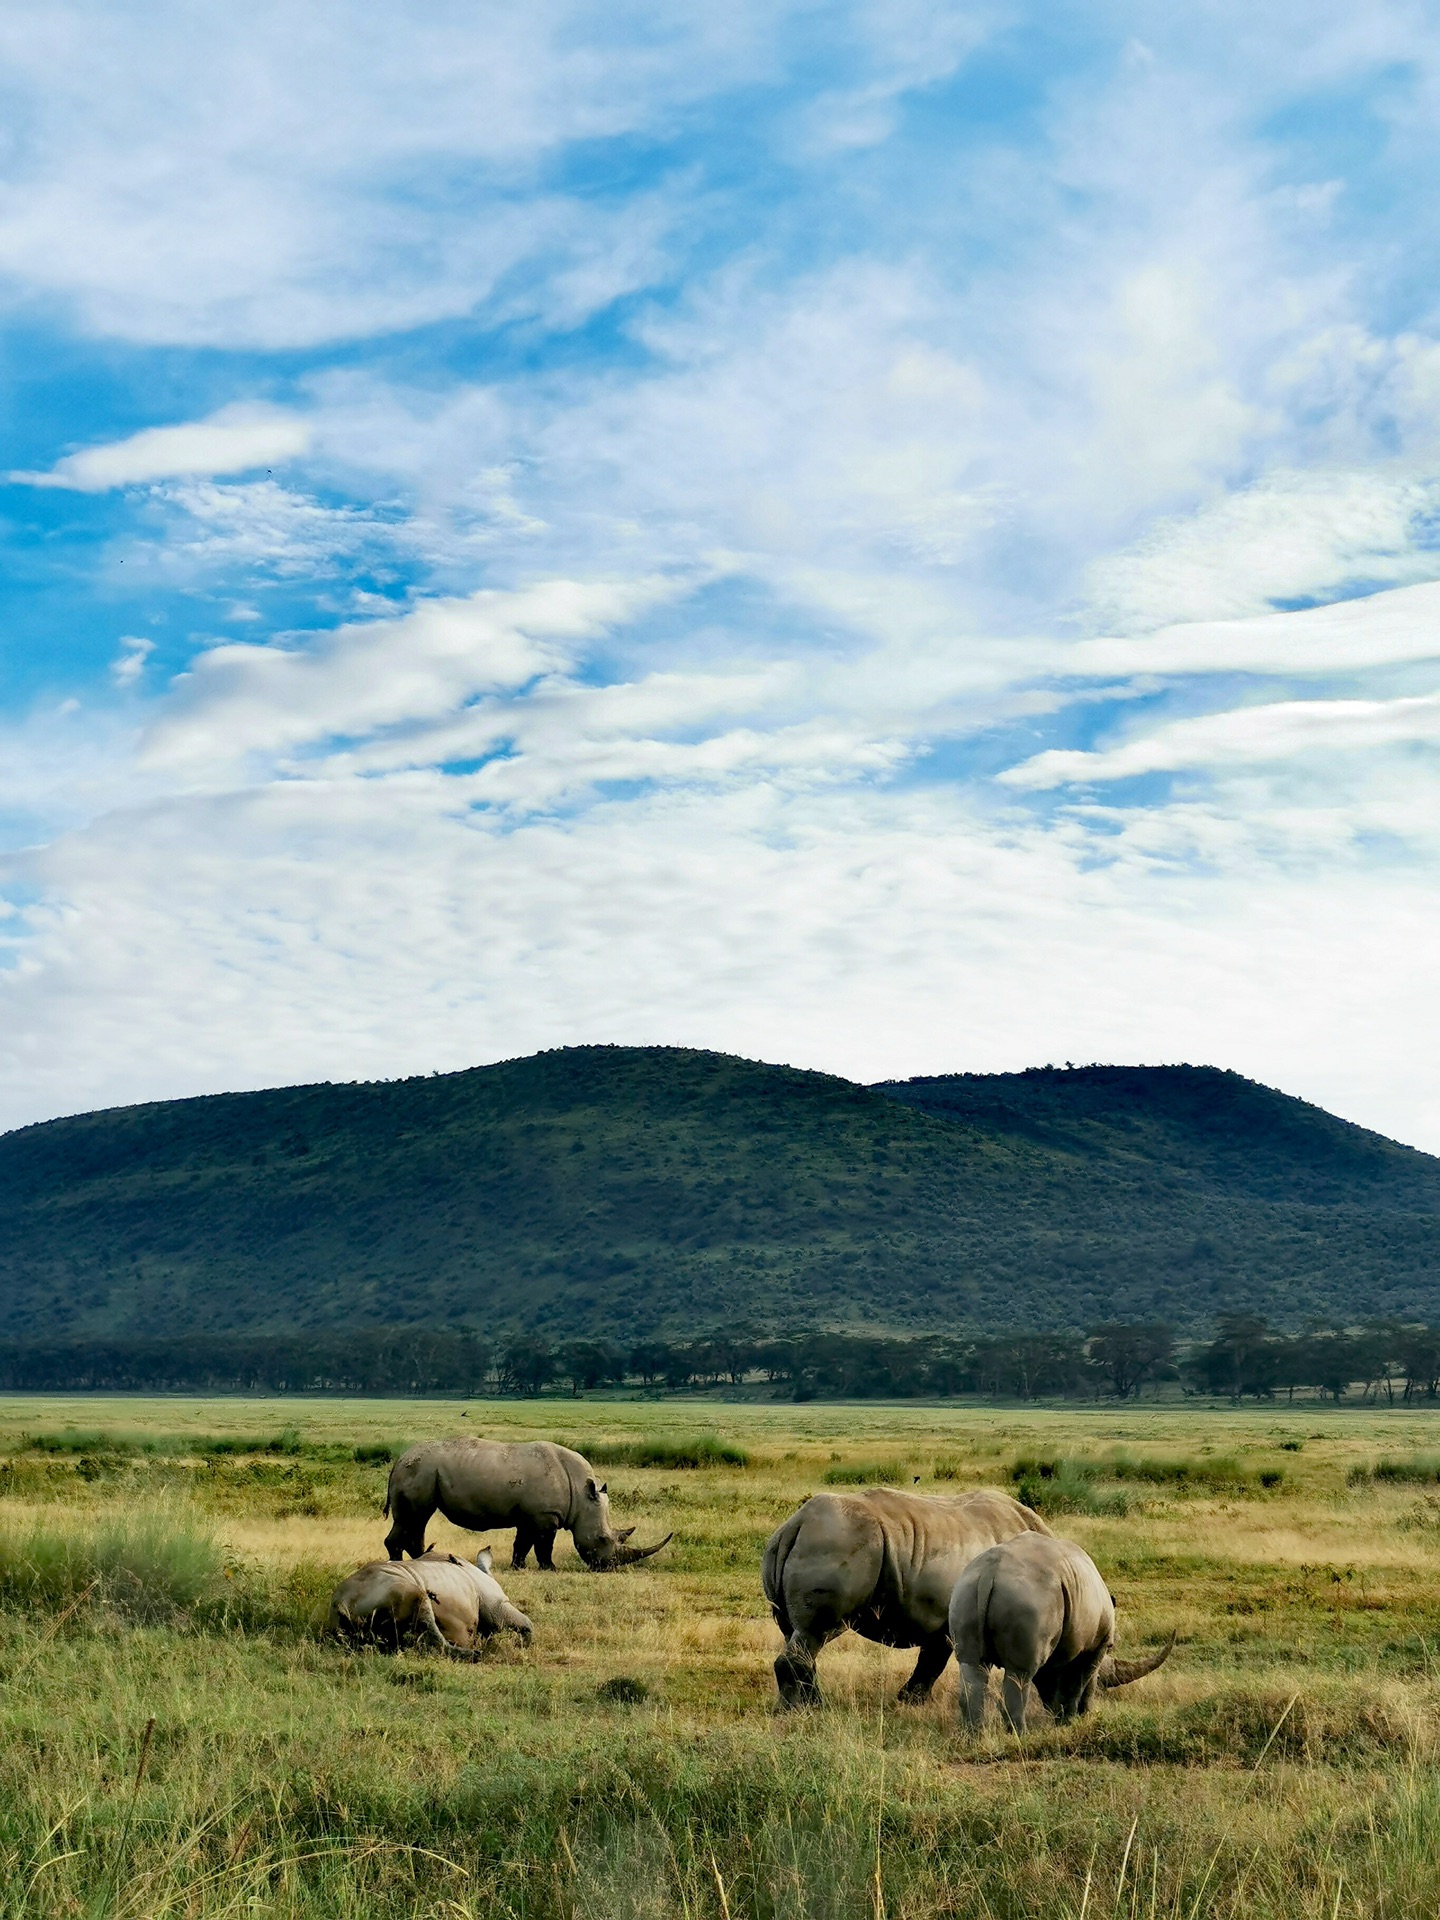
[
  {"x": 703, "y": 1450},
  {"x": 868, "y": 1473},
  {"x": 1419, "y": 1470},
  {"x": 1064, "y": 1486},
  {"x": 377, "y": 1453},
  {"x": 1218, "y": 1473}
]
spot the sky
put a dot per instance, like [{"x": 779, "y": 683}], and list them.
[{"x": 886, "y": 536}]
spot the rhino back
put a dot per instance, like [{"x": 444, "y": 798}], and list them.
[
  {"x": 499, "y": 1483},
  {"x": 929, "y": 1541}
]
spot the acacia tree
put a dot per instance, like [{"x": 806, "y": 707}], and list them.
[
  {"x": 526, "y": 1365},
  {"x": 1130, "y": 1354}
]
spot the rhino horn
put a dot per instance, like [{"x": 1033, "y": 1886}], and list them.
[
  {"x": 627, "y": 1556},
  {"x": 624, "y": 1534},
  {"x": 1119, "y": 1673}
]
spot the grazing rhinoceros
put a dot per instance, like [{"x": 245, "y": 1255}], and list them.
[
  {"x": 445, "y": 1602},
  {"x": 531, "y": 1485},
  {"x": 1037, "y": 1607},
  {"x": 884, "y": 1563}
]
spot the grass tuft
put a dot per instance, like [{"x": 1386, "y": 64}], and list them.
[
  {"x": 1064, "y": 1486},
  {"x": 868, "y": 1473},
  {"x": 699, "y": 1450},
  {"x": 1419, "y": 1470}
]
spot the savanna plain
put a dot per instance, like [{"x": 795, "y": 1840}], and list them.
[{"x": 179, "y": 1741}]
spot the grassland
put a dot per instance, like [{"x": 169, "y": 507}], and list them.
[{"x": 164, "y": 1561}]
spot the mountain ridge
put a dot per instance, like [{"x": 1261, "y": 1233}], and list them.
[{"x": 657, "y": 1190}]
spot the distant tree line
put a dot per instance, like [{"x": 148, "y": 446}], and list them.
[
  {"x": 1114, "y": 1359},
  {"x": 1246, "y": 1358}
]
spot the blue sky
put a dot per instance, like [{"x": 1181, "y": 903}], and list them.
[{"x": 893, "y": 537}]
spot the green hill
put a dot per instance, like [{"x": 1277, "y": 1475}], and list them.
[{"x": 637, "y": 1190}]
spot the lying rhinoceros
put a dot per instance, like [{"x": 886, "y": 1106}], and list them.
[
  {"x": 884, "y": 1563},
  {"x": 447, "y": 1603},
  {"x": 532, "y": 1485},
  {"x": 1037, "y": 1608}
]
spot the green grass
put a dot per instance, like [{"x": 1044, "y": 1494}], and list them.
[
  {"x": 1421, "y": 1469},
  {"x": 628, "y": 1765},
  {"x": 694, "y": 1451},
  {"x": 868, "y": 1473}
]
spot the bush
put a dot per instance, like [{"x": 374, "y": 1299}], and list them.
[
  {"x": 703, "y": 1450},
  {"x": 1419, "y": 1470},
  {"x": 1063, "y": 1486},
  {"x": 868, "y": 1473},
  {"x": 1211, "y": 1474}
]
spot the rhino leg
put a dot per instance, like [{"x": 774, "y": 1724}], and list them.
[
  {"x": 795, "y": 1671},
  {"x": 407, "y": 1530},
  {"x": 524, "y": 1541},
  {"x": 934, "y": 1653},
  {"x": 545, "y": 1549},
  {"x": 1013, "y": 1697},
  {"x": 1071, "y": 1689},
  {"x": 974, "y": 1688}
]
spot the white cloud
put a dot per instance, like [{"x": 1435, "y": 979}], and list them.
[
  {"x": 278, "y": 181},
  {"x": 319, "y": 930},
  {"x": 128, "y": 665},
  {"x": 1291, "y": 537},
  {"x": 1381, "y": 629},
  {"x": 1260, "y": 733},
  {"x": 241, "y": 699},
  {"x": 237, "y": 439}
]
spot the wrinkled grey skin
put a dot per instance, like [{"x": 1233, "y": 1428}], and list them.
[
  {"x": 884, "y": 1563},
  {"x": 532, "y": 1485},
  {"x": 1037, "y": 1608},
  {"x": 438, "y": 1600}
]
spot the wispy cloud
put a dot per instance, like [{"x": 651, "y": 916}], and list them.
[
  {"x": 895, "y": 536},
  {"x": 237, "y": 439}
]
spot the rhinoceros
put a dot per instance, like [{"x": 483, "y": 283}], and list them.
[
  {"x": 449, "y": 1604},
  {"x": 532, "y": 1485},
  {"x": 884, "y": 1563},
  {"x": 1037, "y": 1608}
]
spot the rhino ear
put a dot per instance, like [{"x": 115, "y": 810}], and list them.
[
  {"x": 592, "y": 1489},
  {"x": 604, "y": 1486},
  {"x": 484, "y": 1559}
]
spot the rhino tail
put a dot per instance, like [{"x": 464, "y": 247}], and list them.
[
  {"x": 772, "y": 1570},
  {"x": 984, "y": 1587},
  {"x": 1120, "y": 1673}
]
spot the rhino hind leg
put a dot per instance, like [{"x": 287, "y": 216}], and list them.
[
  {"x": 524, "y": 1541},
  {"x": 1014, "y": 1695},
  {"x": 934, "y": 1653},
  {"x": 974, "y": 1691},
  {"x": 795, "y": 1672}
]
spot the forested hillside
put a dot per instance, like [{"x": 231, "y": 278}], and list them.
[{"x": 627, "y": 1191}]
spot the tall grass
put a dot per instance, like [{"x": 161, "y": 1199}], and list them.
[
  {"x": 147, "y": 1564},
  {"x": 1421, "y": 1469}
]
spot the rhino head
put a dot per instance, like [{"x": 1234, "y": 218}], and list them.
[{"x": 597, "y": 1542}]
